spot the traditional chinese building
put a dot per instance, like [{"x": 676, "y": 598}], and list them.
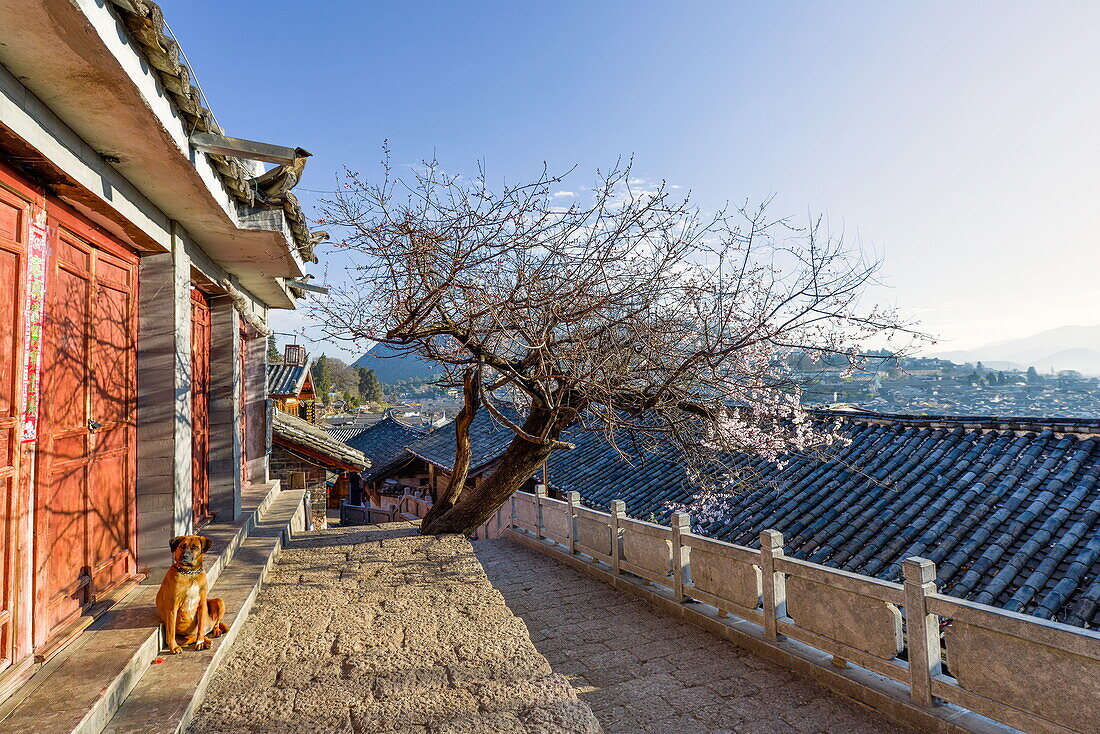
[
  {"x": 141, "y": 251},
  {"x": 304, "y": 456},
  {"x": 290, "y": 383}
]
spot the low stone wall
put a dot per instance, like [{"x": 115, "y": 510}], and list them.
[
  {"x": 988, "y": 666},
  {"x": 412, "y": 506}
]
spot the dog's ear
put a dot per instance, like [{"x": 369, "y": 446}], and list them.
[
  {"x": 175, "y": 542},
  {"x": 206, "y": 543}
]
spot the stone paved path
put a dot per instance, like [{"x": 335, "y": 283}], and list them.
[
  {"x": 641, "y": 671},
  {"x": 368, "y": 630}
]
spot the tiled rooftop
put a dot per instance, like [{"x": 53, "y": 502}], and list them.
[
  {"x": 285, "y": 379},
  {"x": 488, "y": 439},
  {"x": 1010, "y": 519},
  {"x": 384, "y": 442},
  {"x": 344, "y": 433},
  {"x": 294, "y": 432}
]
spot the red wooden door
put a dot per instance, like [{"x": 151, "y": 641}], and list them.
[
  {"x": 200, "y": 406},
  {"x": 84, "y": 504},
  {"x": 14, "y": 215}
]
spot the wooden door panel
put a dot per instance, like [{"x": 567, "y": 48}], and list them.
[
  {"x": 60, "y": 528},
  {"x": 110, "y": 481},
  {"x": 65, "y": 371},
  {"x": 59, "y": 522},
  {"x": 112, "y": 351},
  {"x": 15, "y": 217},
  {"x": 11, "y": 272},
  {"x": 84, "y": 527},
  {"x": 13, "y": 224},
  {"x": 108, "y": 519},
  {"x": 8, "y": 513},
  {"x": 200, "y": 406}
]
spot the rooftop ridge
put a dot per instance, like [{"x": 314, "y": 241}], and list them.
[{"x": 1025, "y": 424}]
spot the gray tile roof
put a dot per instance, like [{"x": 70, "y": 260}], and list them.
[
  {"x": 344, "y": 433},
  {"x": 286, "y": 379},
  {"x": 384, "y": 443},
  {"x": 488, "y": 439},
  {"x": 294, "y": 432},
  {"x": 1009, "y": 509}
]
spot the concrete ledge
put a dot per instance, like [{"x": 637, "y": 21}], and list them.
[
  {"x": 858, "y": 684},
  {"x": 82, "y": 687}
]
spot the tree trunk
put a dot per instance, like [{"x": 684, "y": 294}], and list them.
[
  {"x": 446, "y": 499},
  {"x": 519, "y": 462}
]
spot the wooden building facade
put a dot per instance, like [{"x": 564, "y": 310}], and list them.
[{"x": 138, "y": 270}]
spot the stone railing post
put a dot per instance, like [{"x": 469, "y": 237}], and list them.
[
  {"x": 540, "y": 495},
  {"x": 618, "y": 512},
  {"x": 571, "y": 526},
  {"x": 775, "y": 586},
  {"x": 681, "y": 524},
  {"x": 922, "y": 629},
  {"x": 512, "y": 512}
]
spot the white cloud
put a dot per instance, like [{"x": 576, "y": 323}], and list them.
[{"x": 563, "y": 194}]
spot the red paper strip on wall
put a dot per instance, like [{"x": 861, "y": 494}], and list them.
[{"x": 37, "y": 251}]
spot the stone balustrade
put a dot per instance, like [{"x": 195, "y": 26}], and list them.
[{"x": 949, "y": 657}]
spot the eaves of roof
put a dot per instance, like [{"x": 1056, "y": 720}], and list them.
[{"x": 144, "y": 20}]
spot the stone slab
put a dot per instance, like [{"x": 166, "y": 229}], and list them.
[
  {"x": 645, "y": 551},
  {"x": 857, "y": 621},
  {"x": 378, "y": 629},
  {"x": 1006, "y": 668},
  {"x": 724, "y": 577},
  {"x": 594, "y": 534}
]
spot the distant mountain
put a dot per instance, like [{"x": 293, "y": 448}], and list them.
[
  {"x": 1064, "y": 348},
  {"x": 1086, "y": 361},
  {"x": 391, "y": 366},
  {"x": 960, "y": 356}
]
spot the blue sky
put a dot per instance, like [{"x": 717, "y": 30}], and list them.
[{"x": 960, "y": 142}]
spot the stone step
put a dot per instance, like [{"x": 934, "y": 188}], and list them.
[
  {"x": 167, "y": 695},
  {"x": 81, "y": 688}
]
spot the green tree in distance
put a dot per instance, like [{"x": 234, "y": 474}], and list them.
[
  {"x": 322, "y": 380},
  {"x": 370, "y": 388}
]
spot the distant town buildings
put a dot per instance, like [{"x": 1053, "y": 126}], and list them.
[{"x": 935, "y": 386}]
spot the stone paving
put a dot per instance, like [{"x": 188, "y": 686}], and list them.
[
  {"x": 641, "y": 671},
  {"x": 363, "y": 630}
]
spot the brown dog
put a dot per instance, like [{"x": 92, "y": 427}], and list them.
[{"x": 187, "y": 614}]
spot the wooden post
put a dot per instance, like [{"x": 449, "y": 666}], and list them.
[
  {"x": 574, "y": 499},
  {"x": 681, "y": 525},
  {"x": 618, "y": 511},
  {"x": 922, "y": 629},
  {"x": 775, "y": 587},
  {"x": 540, "y": 495}
]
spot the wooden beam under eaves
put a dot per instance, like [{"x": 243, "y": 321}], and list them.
[
  {"x": 239, "y": 148},
  {"x": 306, "y": 286}
]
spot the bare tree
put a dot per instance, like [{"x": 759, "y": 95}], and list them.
[{"x": 631, "y": 313}]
